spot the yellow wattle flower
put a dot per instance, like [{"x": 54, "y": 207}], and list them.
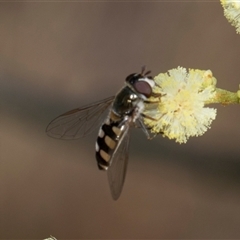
[
  {"x": 180, "y": 111},
  {"x": 232, "y": 12}
]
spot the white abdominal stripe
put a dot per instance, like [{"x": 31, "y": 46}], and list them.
[{"x": 106, "y": 143}]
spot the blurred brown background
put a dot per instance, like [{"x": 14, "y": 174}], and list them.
[{"x": 55, "y": 56}]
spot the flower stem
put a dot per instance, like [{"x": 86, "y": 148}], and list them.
[{"x": 225, "y": 97}]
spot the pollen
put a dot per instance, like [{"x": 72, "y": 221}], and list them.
[{"x": 181, "y": 111}]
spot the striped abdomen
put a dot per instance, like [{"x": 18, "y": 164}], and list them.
[{"x": 108, "y": 139}]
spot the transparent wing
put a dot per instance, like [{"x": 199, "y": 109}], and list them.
[
  {"x": 78, "y": 122},
  {"x": 117, "y": 171}
]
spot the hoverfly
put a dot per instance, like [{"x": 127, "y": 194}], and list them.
[{"x": 126, "y": 109}]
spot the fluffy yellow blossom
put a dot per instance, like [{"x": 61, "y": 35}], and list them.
[
  {"x": 232, "y": 12},
  {"x": 179, "y": 111}
]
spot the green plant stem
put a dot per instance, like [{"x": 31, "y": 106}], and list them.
[{"x": 225, "y": 97}]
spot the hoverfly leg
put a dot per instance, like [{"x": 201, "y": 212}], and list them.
[
  {"x": 153, "y": 119},
  {"x": 144, "y": 128}
]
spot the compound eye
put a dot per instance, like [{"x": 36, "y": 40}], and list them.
[{"x": 143, "y": 87}]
